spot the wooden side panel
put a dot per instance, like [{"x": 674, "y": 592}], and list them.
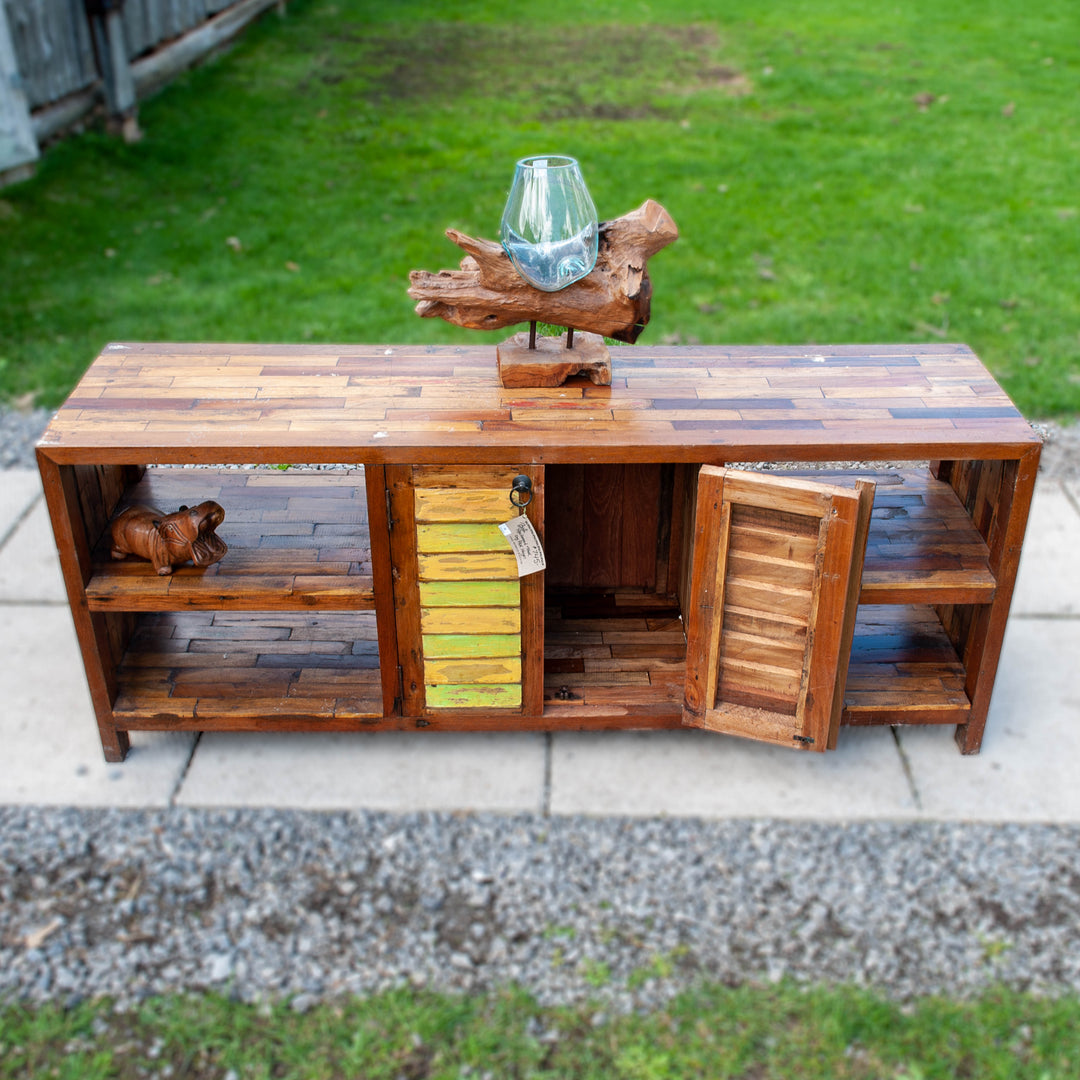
[
  {"x": 1004, "y": 536},
  {"x": 474, "y": 627},
  {"x": 775, "y": 584},
  {"x": 997, "y": 495},
  {"x": 81, "y": 500}
]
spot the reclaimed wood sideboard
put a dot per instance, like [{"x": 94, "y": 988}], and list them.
[{"x": 860, "y": 572}]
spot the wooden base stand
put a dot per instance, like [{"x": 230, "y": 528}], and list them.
[{"x": 551, "y": 363}]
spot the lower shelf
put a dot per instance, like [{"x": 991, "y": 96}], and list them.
[
  {"x": 613, "y": 660},
  {"x": 247, "y": 670},
  {"x": 903, "y": 670}
]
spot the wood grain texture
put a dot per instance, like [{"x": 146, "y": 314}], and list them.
[
  {"x": 99, "y": 652},
  {"x": 550, "y": 363},
  {"x": 265, "y": 403},
  {"x": 281, "y": 665},
  {"x": 778, "y": 557}
]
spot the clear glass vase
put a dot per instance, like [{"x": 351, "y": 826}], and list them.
[{"x": 549, "y": 226}]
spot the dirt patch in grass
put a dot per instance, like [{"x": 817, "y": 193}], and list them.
[{"x": 591, "y": 72}]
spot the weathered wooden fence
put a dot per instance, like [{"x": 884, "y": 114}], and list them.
[
  {"x": 49, "y": 70},
  {"x": 53, "y": 47}
]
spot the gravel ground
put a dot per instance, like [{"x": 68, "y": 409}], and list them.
[
  {"x": 19, "y": 431},
  {"x": 270, "y": 904}
]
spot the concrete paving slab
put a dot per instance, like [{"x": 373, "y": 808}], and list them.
[
  {"x": 394, "y": 771},
  {"x": 1048, "y": 581},
  {"x": 700, "y": 774},
  {"x": 52, "y": 754},
  {"x": 18, "y": 489},
  {"x": 30, "y": 567},
  {"x": 1030, "y": 759}
]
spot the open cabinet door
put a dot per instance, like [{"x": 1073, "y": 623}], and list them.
[{"x": 777, "y": 565}]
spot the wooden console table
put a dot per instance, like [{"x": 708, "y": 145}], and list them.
[{"x": 380, "y": 594}]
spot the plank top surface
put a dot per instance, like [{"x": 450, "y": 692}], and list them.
[{"x": 416, "y": 404}]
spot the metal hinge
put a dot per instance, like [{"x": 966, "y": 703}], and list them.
[
  {"x": 389, "y": 512},
  {"x": 805, "y": 739}
]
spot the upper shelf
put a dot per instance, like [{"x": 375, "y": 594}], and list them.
[
  {"x": 922, "y": 547},
  {"x": 141, "y": 403},
  {"x": 296, "y": 541}
]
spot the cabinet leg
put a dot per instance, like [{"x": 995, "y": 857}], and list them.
[
  {"x": 115, "y": 744},
  {"x": 969, "y": 737}
]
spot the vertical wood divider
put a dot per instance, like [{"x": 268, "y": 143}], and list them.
[
  {"x": 532, "y": 609},
  {"x": 383, "y": 583},
  {"x": 406, "y": 578}
]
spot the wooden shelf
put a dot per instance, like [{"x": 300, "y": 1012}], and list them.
[
  {"x": 297, "y": 541},
  {"x": 903, "y": 670},
  {"x": 207, "y": 670},
  {"x": 923, "y": 547},
  {"x": 619, "y": 653}
]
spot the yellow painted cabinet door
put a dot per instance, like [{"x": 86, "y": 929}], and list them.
[
  {"x": 469, "y": 630},
  {"x": 777, "y": 564}
]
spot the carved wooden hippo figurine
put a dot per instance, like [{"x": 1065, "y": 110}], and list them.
[{"x": 169, "y": 540}]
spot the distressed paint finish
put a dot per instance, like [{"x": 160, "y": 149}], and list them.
[
  {"x": 474, "y": 696},
  {"x": 470, "y": 620},
  {"x": 469, "y": 566},
  {"x": 461, "y": 505},
  {"x": 470, "y": 594},
  {"x": 443, "y": 646},
  {"x": 449, "y": 537},
  {"x": 506, "y": 669}
]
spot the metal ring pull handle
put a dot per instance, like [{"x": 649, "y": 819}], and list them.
[{"x": 521, "y": 492}]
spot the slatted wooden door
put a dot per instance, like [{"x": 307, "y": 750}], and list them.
[
  {"x": 775, "y": 583},
  {"x": 469, "y": 630}
]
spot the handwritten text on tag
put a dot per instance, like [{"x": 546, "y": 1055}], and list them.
[{"x": 526, "y": 544}]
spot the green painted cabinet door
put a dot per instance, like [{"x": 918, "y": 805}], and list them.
[{"x": 469, "y": 630}]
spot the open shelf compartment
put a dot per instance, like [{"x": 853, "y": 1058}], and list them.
[
  {"x": 210, "y": 670},
  {"x": 903, "y": 669},
  {"x": 297, "y": 540},
  {"x": 619, "y": 652},
  {"x": 923, "y": 547}
]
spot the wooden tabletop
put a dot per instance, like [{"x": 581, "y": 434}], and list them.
[{"x": 142, "y": 403}]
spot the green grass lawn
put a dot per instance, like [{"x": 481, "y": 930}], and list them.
[
  {"x": 839, "y": 172},
  {"x": 781, "y": 1032}
]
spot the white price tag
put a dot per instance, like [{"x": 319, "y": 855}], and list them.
[{"x": 526, "y": 544}]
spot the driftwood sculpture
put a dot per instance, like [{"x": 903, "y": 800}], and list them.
[
  {"x": 169, "y": 540},
  {"x": 487, "y": 293}
]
